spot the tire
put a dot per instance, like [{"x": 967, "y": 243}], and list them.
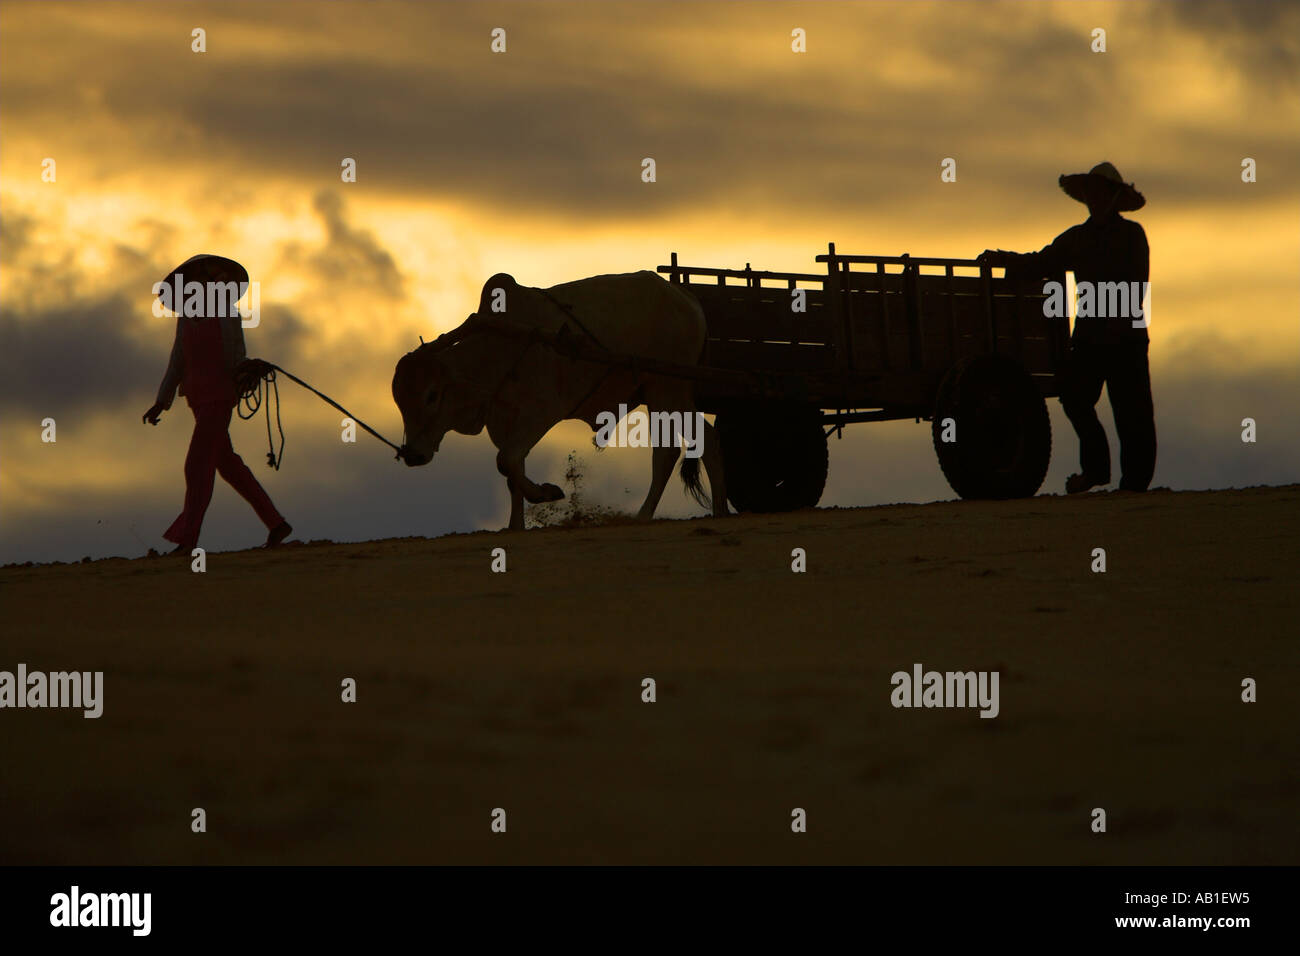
[
  {"x": 1003, "y": 433},
  {"x": 774, "y": 457}
]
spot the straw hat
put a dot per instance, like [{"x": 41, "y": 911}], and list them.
[{"x": 1103, "y": 176}]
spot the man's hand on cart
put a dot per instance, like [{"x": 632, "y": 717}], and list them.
[{"x": 997, "y": 257}]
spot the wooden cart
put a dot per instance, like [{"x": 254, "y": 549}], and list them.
[{"x": 793, "y": 357}]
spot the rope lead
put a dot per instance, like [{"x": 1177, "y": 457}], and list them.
[{"x": 254, "y": 391}]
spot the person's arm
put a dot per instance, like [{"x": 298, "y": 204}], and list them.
[
  {"x": 175, "y": 371},
  {"x": 171, "y": 379},
  {"x": 1142, "y": 266},
  {"x": 1052, "y": 260},
  {"x": 1143, "y": 253},
  {"x": 244, "y": 370}
]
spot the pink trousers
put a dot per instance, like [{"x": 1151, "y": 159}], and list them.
[{"x": 211, "y": 453}]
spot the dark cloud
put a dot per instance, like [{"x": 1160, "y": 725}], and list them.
[
  {"x": 357, "y": 492},
  {"x": 349, "y": 256},
  {"x": 93, "y": 354},
  {"x": 102, "y": 346},
  {"x": 1199, "y": 421},
  {"x": 1259, "y": 39},
  {"x": 84, "y": 355},
  {"x": 15, "y": 236},
  {"x": 326, "y": 488},
  {"x": 560, "y": 123},
  {"x": 282, "y": 332},
  {"x": 1198, "y": 424}
]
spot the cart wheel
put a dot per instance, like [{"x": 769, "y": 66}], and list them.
[
  {"x": 774, "y": 456},
  {"x": 1003, "y": 435}
]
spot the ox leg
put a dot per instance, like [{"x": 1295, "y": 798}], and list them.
[
  {"x": 511, "y": 464},
  {"x": 661, "y": 396},
  {"x": 516, "y": 506},
  {"x": 662, "y": 463},
  {"x": 712, "y": 457}
]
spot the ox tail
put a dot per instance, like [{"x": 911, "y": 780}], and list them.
[{"x": 691, "y": 480}]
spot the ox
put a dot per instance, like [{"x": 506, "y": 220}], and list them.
[{"x": 520, "y": 386}]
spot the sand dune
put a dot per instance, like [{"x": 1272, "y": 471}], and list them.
[{"x": 523, "y": 691}]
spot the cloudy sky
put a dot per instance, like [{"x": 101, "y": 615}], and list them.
[{"x": 528, "y": 162}]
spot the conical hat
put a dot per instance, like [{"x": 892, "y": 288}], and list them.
[{"x": 209, "y": 268}]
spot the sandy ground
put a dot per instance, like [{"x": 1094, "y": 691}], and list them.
[{"x": 523, "y": 691}]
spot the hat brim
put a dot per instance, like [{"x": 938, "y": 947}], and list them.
[
  {"x": 1079, "y": 186},
  {"x": 209, "y": 268}
]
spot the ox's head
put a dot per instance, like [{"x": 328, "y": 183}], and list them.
[{"x": 434, "y": 399}]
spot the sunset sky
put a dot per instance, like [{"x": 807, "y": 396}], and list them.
[{"x": 528, "y": 162}]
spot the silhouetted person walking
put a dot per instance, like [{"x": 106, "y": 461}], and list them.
[
  {"x": 1104, "y": 349},
  {"x": 206, "y": 360}
]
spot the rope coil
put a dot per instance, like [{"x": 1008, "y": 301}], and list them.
[{"x": 251, "y": 395}]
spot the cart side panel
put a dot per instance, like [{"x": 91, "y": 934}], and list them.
[
  {"x": 755, "y": 328},
  {"x": 777, "y": 357},
  {"x": 953, "y": 319},
  {"x": 764, "y": 315},
  {"x": 955, "y": 322},
  {"x": 877, "y": 310},
  {"x": 1023, "y": 330}
]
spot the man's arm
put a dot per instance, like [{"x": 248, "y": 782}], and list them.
[
  {"x": 1052, "y": 260},
  {"x": 1142, "y": 265},
  {"x": 1143, "y": 252}
]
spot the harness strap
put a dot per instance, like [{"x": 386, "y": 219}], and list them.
[{"x": 568, "y": 310}]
